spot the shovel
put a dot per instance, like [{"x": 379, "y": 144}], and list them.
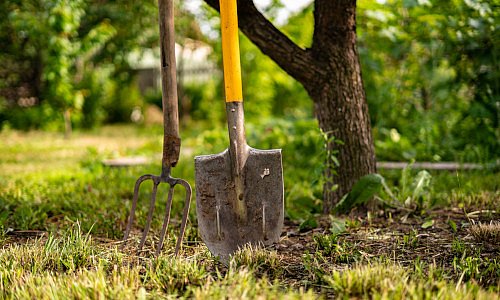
[{"x": 239, "y": 192}]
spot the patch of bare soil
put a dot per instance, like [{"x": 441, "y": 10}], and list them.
[{"x": 438, "y": 238}]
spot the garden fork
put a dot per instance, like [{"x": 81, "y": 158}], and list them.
[{"x": 171, "y": 138}]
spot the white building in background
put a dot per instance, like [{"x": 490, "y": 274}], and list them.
[{"x": 194, "y": 65}]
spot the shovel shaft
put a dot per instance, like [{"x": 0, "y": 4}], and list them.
[
  {"x": 230, "y": 51},
  {"x": 171, "y": 139},
  {"x": 232, "y": 81},
  {"x": 238, "y": 147}
]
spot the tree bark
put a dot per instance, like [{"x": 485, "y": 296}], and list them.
[
  {"x": 331, "y": 74},
  {"x": 340, "y": 100}
]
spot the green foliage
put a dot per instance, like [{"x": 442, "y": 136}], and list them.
[
  {"x": 64, "y": 54},
  {"x": 412, "y": 190},
  {"x": 241, "y": 284},
  {"x": 258, "y": 260},
  {"x": 453, "y": 225},
  {"x": 458, "y": 247},
  {"x": 93, "y": 91},
  {"x": 477, "y": 268},
  {"x": 60, "y": 51},
  {"x": 121, "y": 102},
  {"x": 394, "y": 282},
  {"x": 67, "y": 254},
  {"x": 326, "y": 243},
  {"x": 173, "y": 276},
  {"x": 206, "y": 103},
  {"x": 329, "y": 245},
  {"x": 411, "y": 239},
  {"x": 62, "y": 25},
  {"x": 362, "y": 191},
  {"x": 339, "y": 252},
  {"x": 440, "y": 57},
  {"x": 428, "y": 224},
  {"x": 308, "y": 224}
]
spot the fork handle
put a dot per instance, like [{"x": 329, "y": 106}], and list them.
[{"x": 171, "y": 138}]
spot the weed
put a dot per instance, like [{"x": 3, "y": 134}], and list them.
[
  {"x": 419, "y": 267},
  {"x": 352, "y": 223},
  {"x": 410, "y": 240},
  {"x": 313, "y": 265},
  {"x": 241, "y": 284},
  {"x": 259, "y": 260},
  {"x": 326, "y": 243},
  {"x": 393, "y": 282},
  {"x": 486, "y": 233},
  {"x": 340, "y": 252},
  {"x": 346, "y": 253},
  {"x": 453, "y": 225},
  {"x": 458, "y": 247},
  {"x": 67, "y": 253},
  {"x": 84, "y": 284},
  {"x": 173, "y": 275},
  {"x": 308, "y": 224},
  {"x": 364, "y": 280},
  {"x": 414, "y": 191},
  {"x": 483, "y": 270}
]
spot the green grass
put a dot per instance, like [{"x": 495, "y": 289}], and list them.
[{"x": 63, "y": 214}]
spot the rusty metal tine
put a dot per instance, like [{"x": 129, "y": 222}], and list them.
[
  {"x": 185, "y": 214},
  {"x": 150, "y": 214},
  {"x": 134, "y": 205},
  {"x": 166, "y": 220}
]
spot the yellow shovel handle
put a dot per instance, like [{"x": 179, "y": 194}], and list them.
[{"x": 230, "y": 51}]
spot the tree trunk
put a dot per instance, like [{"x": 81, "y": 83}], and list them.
[
  {"x": 331, "y": 74},
  {"x": 67, "y": 123},
  {"x": 340, "y": 100}
]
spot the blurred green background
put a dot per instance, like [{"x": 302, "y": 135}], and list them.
[{"x": 430, "y": 68}]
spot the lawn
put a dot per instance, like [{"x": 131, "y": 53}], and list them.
[{"x": 63, "y": 213}]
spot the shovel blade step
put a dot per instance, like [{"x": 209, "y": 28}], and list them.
[{"x": 232, "y": 214}]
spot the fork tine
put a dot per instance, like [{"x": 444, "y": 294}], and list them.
[
  {"x": 157, "y": 180},
  {"x": 185, "y": 214},
  {"x": 150, "y": 214},
  {"x": 134, "y": 205},
  {"x": 166, "y": 220}
]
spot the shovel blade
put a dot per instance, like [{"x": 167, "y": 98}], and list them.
[{"x": 230, "y": 217}]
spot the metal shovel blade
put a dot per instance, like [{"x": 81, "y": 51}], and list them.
[{"x": 229, "y": 217}]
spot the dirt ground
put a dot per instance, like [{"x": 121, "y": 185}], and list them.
[
  {"x": 406, "y": 239},
  {"x": 397, "y": 236}
]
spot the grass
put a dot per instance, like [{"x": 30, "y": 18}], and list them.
[
  {"x": 489, "y": 232},
  {"x": 63, "y": 214}
]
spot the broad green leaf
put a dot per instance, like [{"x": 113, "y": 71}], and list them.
[
  {"x": 422, "y": 182},
  {"x": 363, "y": 190},
  {"x": 308, "y": 224},
  {"x": 453, "y": 225},
  {"x": 428, "y": 224},
  {"x": 338, "y": 226}
]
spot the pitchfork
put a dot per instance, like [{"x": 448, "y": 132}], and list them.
[{"x": 171, "y": 138}]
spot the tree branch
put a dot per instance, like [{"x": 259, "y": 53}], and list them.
[{"x": 295, "y": 61}]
